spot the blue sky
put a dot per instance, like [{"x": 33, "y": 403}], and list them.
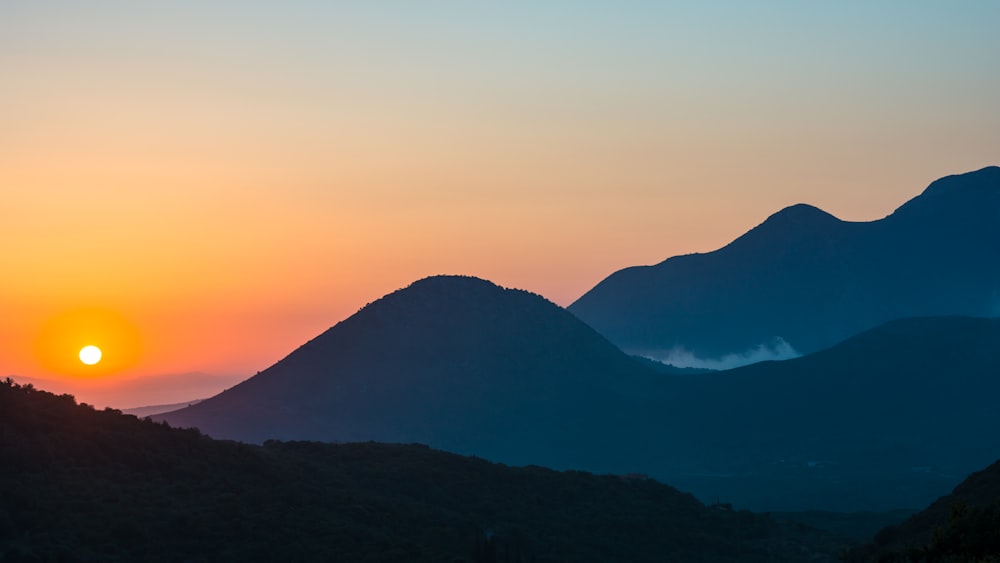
[{"x": 266, "y": 168}]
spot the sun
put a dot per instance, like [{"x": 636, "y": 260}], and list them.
[{"x": 90, "y": 355}]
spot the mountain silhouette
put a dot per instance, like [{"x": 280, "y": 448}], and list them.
[
  {"x": 877, "y": 422},
  {"x": 809, "y": 279},
  {"x": 890, "y": 418},
  {"x": 457, "y": 363},
  {"x": 79, "y": 484}
]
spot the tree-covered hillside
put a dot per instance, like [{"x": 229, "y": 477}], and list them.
[
  {"x": 86, "y": 485},
  {"x": 961, "y": 526}
]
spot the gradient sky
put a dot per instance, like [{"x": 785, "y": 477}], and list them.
[{"x": 203, "y": 186}]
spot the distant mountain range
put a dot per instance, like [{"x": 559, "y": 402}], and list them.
[
  {"x": 891, "y": 418},
  {"x": 150, "y": 410},
  {"x": 805, "y": 280},
  {"x": 135, "y": 393}
]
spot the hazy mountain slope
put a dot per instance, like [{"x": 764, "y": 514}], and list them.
[
  {"x": 83, "y": 485},
  {"x": 131, "y": 392},
  {"x": 811, "y": 279},
  {"x": 454, "y": 362},
  {"x": 893, "y": 378},
  {"x": 890, "y": 418},
  {"x": 150, "y": 410}
]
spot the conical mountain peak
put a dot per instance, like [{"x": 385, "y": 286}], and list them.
[
  {"x": 791, "y": 223},
  {"x": 452, "y": 283},
  {"x": 454, "y": 362},
  {"x": 800, "y": 213}
]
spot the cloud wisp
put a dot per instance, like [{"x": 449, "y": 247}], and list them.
[{"x": 776, "y": 349}]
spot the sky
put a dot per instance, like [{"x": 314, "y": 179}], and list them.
[{"x": 201, "y": 187}]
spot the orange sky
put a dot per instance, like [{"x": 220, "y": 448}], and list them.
[{"x": 203, "y": 188}]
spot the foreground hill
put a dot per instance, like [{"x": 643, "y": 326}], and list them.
[
  {"x": 808, "y": 279},
  {"x": 84, "y": 485},
  {"x": 454, "y": 362},
  {"x": 961, "y": 526}
]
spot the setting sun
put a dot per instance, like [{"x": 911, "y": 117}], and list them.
[
  {"x": 90, "y": 355},
  {"x": 87, "y": 343}
]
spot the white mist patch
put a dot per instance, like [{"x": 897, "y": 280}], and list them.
[{"x": 777, "y": 349}]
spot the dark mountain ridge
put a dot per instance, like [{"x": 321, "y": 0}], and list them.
[
  {"x": 454, "y": 362},
  {"x": 811, "y": 279}
]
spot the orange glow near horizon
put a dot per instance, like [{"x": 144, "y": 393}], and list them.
[
  {"x": 58, "y": 344},
  {"x": 194, "y": 188}
]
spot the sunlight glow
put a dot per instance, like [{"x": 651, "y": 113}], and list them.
[{"x": 62, "y": 344}]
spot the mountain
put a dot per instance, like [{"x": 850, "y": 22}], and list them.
[
  {"x": 78, "y": 484},
  {"x": 878, "y": 422},
  {"x": 808, "y": 280},
  {"x": 891, "y": 418},
  {"x": 150, "y": 410},
  {"x": 457, "y": 363},
  {"x": 960, "y": 526}
]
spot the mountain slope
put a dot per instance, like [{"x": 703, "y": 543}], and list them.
[
  {"x": 890, "y": 418},
  {"x": 811, "y": 279},
  {"x": 78, "y": 484},
  {"x": 454, "y": 362}
]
